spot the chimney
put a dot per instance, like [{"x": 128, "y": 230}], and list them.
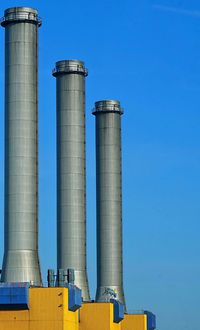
[
  {"x": 71, "y": 178},
  {"x": 21, "y": 262},
  {"x": 109, "y": 201}
]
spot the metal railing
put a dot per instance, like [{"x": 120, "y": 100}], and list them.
[
  {"x": 26, "y": 16},
  {"x": 108, "y": 108},
  {"x": 70, "y": 68}
]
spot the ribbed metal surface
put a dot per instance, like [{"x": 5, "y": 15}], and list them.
[
  {"x": 71, "y": 189},
  {"x": 21, "y": 262},
  {"x": 20, "y": 14},
  {"x": 109, "y": 201}
]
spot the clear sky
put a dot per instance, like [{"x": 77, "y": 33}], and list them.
[{"x": 146, "y": 54}]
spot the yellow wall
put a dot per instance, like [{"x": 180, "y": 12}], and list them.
[
  {"x": 98, "y": 316},
  {"x": 48, "y": 311},
  {"x": 134, "y": 322}
]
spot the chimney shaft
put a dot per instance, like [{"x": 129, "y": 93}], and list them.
[
  {"x": 21, "y": 262},
  {"x": 71, "y": 187},
  {"x": 109, "y": 201}
]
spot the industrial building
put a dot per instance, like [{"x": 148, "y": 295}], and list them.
[{"x": 65, "y": 304}]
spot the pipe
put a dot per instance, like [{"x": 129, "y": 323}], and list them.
[
  {"x": 21, "y": 261},
  {"x": 109, "y": 201},
  {"x": 71, "y": 187}
]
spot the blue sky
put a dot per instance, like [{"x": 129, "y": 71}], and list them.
[{"x": 147, "y": 55}]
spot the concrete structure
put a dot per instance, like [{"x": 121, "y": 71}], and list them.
[
  {"x": 98, "y": 316},
  {"x": 21, "y": 262},
  {"x": 24, "y": 308},
  {"x": 71, "y": 188},
  {"x": 139, "y": 321},
  {"x": 134, "y": 322},
  {"x": 48, "y": 308},
  {"x": 27, "y": 308},
  {"x": 109, "y": 201}
]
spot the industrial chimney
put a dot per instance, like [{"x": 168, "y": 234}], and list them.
[
  {"x": 21, "y": 262},
  {"x": 109, "y": 201},
  {"x": 71, "y": 182}
]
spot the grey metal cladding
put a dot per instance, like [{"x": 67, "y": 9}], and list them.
[
  {"x": 21, "y": 261},
  {"x": 109, "y": 200},
  {"x": 71, "y": 177}
]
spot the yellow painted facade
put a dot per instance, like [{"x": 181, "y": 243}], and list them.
[
  {"x": 134, "y": 322},
  {"x": 48, "y": 311},
  {"x": 98, "y": 316}
]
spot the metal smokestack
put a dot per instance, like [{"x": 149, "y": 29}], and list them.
[
  {"x": 71, "y": 182},
  {"x": 21, "y": 262},
  {"x": 109, "y": 201}
]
